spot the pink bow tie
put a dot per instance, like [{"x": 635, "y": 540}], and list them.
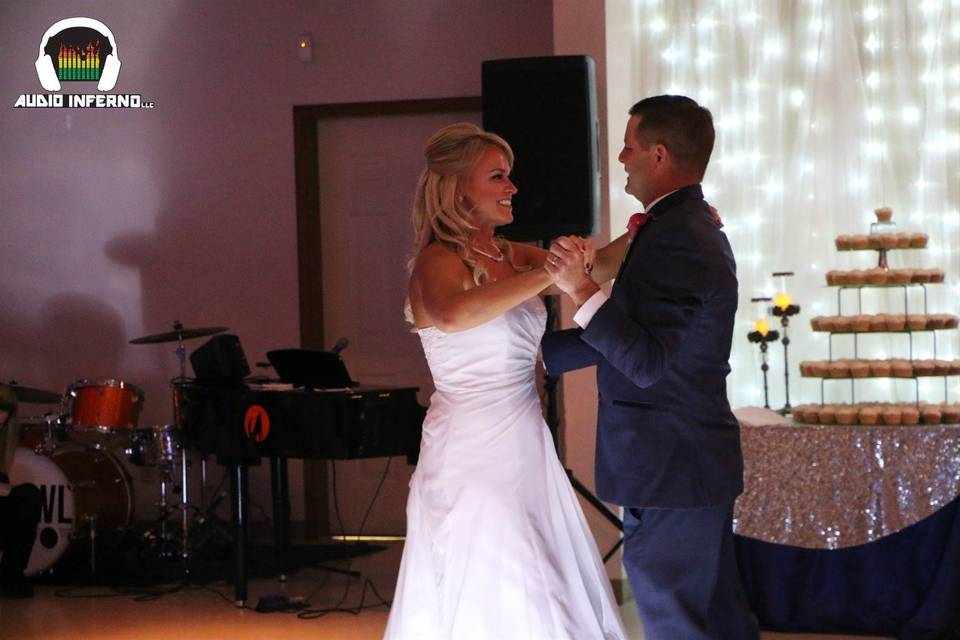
[{"x": 637, "y": 220}]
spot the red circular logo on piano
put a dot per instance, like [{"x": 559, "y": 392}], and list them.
[{"x": 256, "y": 423}]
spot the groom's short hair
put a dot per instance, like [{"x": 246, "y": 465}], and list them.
[{"x": 681, "y": 125}]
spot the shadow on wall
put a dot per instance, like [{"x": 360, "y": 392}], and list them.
[
  {"x": 76, "y": 336},
  {"x": 80, "y": 336}
]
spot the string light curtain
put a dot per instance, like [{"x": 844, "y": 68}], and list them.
[{"x": 825, "y": 110}]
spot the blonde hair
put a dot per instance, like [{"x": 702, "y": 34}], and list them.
[{"x": 438, "y": 213}]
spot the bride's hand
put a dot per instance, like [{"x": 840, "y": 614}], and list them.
[
  {"x": 583, "y": 246},
  {"x": 589, "y": 251},
  {"x": 716, "y": 216}
]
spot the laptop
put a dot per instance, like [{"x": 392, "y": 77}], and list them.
[{"x": 310, "y": 368}]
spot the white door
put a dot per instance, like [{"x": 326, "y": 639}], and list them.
[{"x": 369, "y": 168}]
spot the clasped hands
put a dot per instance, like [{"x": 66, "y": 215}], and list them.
[{"x": 569, "y": 262}]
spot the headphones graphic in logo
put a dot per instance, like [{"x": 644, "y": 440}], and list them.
[{"x": 78, "y": 49}]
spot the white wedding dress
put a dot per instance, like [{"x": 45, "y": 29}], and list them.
[{"x": 497, "y": 546}]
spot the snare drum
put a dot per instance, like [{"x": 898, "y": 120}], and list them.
[
  {"x": 104, "y": 406},
  {"x": 150, "y": 447},
  {"x": 80, "y": 490}
]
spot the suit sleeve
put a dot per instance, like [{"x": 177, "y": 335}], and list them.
[
  {"x": 564, "y": 351},
  {"x": 641, "y": 341}
]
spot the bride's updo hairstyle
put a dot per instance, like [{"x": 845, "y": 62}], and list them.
[{"x": 439, "y": 212}]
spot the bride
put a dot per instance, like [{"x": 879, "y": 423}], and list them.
[{"x": 497, "y": 546}]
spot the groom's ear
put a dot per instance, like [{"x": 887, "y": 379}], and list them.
[{"x": 661, "y": 152}]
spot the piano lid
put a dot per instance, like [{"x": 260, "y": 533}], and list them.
[{"x": 311, "y": 368}]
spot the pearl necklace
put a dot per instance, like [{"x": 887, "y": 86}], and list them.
[{"x": 496, "y": 258}]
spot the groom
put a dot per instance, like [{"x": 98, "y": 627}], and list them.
[{"x": 668, "y": 446}]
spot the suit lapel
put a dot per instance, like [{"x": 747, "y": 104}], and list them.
[{"x": 657, "y": 210}]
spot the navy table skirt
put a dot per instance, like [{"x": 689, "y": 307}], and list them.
[{"x": 905, "y": 585}]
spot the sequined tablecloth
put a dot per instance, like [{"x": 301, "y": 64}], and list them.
[{"x": 834, "y": 486}]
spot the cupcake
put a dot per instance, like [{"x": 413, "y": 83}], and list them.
[
  {"x": 941, "y": 367},
  {"x": 876, "y": 276},
  {"x": 903, "y": 240},
  {"x": 839, "y": 369},
  {"x": 896, "y": 322},
  {"x": 887, "y": 240},
  {"x": 806, "y": 369},
  {"x": 833, "y": 278},
  {"x": 827, "y": 414},
  {"x": 859, "y": 368},
  {"x": 843, "y": 242},
  {"x": 806, "y": 414},
  {"x": 936, "y": 321},
  {"x": 951, "y": 321},
  {"x": 954, "y": 367},
  {"x": 841, "y": 324},
  {"x": 820, "y": 369},
  {"x": 857, "y": 277},
  {"x": 937, "y": 275},
  {"x": 873, "y": 240},
  {"x": 816, "y": 323},
  {"x": 878, "y": 322},
  {"x": 869, "y": 415},
  {"x": 917, "y": 323},
  {"x": 880, "y": 368},
  {"x": 918, "y": 240},
  {"x": 924, "y": 367},
  {"x": 950, "y": 413},
  {"x": 883, "y": 214},
  {"x": 847, "y": 415},
  {"x": 860, "y": 323},
  {"x": 920, "y": 275},
  {"x": 900, "y": 276},
  {"x": 931, "y": 414},
  {"x": 799, "y": 413},
  {"x": 859, "y": 241},
  {"x": 890, "y": 414},
  {"x": 901, "y": 369},
  {"x": 909, "y": 414}
]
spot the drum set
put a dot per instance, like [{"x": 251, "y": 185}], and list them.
[{"x": 74, "y": 456}]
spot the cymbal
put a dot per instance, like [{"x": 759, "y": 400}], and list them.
[
  {"x": 29, "y": 395},
  {"x": 179, "y": 333}
]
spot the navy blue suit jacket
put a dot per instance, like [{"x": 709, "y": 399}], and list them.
[{"x": 665, "y": 434}]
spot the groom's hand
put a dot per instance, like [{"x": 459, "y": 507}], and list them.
[{"x": 565, "y": 263}]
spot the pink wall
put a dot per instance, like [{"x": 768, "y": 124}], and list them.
[{"x": 113, "y": 223}]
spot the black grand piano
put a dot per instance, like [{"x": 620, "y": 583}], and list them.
[{"x": 241, "y": 424}]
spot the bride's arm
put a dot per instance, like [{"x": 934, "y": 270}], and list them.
[{"x": 443, "y": 285}]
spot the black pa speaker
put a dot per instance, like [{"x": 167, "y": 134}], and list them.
[
  {"x": 220, "y": 360},
  {"x": 546, "y": 108}
]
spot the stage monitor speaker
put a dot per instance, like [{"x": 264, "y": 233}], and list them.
[
  {"x": 546, "y": 108},
  {"x": 220, "y": 360}
]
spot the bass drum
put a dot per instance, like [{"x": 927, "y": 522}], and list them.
[{"x": 81, "y": 491}]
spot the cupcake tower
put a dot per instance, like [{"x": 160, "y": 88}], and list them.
[{"x": 882, "y": 238}]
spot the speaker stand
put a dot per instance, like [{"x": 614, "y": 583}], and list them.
[{"x": 553, "y": 422}]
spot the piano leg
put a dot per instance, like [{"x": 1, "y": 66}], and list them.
[
  {"x": 239, "y": 488},
  {"x": 281, "y": 515}
]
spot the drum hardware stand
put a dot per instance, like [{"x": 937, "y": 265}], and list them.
[
  {"x": 178, "y": 335},
  {"x": 49, "y": 440},
  {"x": 92, "y": 528},
  {"x": 160, "y": 533}
]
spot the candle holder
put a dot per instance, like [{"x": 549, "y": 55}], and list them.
[
  {"x": 763, "y": 336},
  {"x": 783, "y": 309}
]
